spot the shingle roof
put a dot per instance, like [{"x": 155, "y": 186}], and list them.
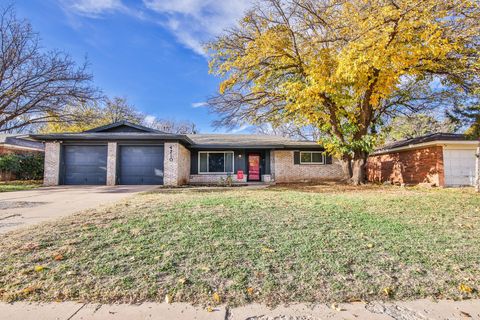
[
  {"x": 20, "y": 141},
  {"x": 193, "y": 140},
  {"x": 124, "y": 123},
  {"x": 424, "y": 139},
  {"x": 104, "y": 136},
  {"x": 246, "y": 140}
]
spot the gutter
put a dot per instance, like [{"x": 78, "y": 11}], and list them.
[{"x": 426, "y": 144}]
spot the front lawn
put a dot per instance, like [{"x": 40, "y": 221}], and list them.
[
  {"x": 273, "y": 245},
  {"x": 19, "y": 185}
]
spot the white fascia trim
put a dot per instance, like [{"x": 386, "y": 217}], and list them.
[
  {"x": 428, "y": 144},
  {"x": 12, "y": 146}
]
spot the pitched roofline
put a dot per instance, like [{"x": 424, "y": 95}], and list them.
[
  {"x": 426, "y": 144},
  {"x": 124, "y": 123}
]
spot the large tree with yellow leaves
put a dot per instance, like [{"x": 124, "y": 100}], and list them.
[{"x": 344, "y": 65}]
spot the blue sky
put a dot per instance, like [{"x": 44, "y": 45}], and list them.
[{"x": 146, "y": 50}]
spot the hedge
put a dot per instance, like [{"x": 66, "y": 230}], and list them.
[{"x": 23, "y": 166}]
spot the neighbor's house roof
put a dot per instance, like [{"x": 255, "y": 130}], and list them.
[
  {"x": 427, "y": 140},
  {"x": 19, "y": 142},
  {"x": 112, "y": 132}
]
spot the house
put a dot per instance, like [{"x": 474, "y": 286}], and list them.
[
  {"x": 16, "y": 144},
  {"x": 439, "y": 159},
  {"x": 126, "y": 153},
  {"x": 19, "y": 144}
]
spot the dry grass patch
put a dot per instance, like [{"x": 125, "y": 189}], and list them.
[{"x": 271, "y": 245}]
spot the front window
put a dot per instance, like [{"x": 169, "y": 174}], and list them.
[
  {"x": 312, "y": 157},
  {"x": 215, "y": 162}
]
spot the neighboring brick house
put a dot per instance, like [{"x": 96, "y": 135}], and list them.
[
  {"x": 17, "y": 144},
  {"x": 438, "y": 159},
  {"x": 125, "y": 153}
]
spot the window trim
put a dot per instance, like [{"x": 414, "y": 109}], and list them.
[
  {"x": 224, "y": 152},
  {"x": 311, "y": 155}
]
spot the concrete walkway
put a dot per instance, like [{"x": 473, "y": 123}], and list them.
[
  {"x": 24, "y": 208},
  {"x": 413, "y": 310}
]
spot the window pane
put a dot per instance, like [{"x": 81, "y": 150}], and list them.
[
  {"x": 203, "y": 162},
  {"x": 228, "y": 161},
  {"x": 317, "y": 157},
  {"x": 305, "y": 157},
  {"x": 216, "y": 162}
]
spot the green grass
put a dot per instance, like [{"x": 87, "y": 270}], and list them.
[
  {"x": 19, "y": 185},
  {"x": 272, "y": 245}
]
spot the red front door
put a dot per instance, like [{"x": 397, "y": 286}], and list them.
[{"x": 254, "y": 167}]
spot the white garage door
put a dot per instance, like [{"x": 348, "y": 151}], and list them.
[{"x": 459, "y": 167}]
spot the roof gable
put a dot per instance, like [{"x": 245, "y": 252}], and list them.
[{"x": 124, "y": 126}]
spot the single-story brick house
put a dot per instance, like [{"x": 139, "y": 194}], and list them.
[
  {"x": 19, "y": 144},
  {"x": 440, "y": 159},
  {"x": 125, "y": 153},
  {"x": 16, "y": 144}
]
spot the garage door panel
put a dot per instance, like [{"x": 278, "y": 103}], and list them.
[
  {"x": 459, "y": 167},
  {"x": 84, "y": 165},
  {"x": 141, "y": 165}
]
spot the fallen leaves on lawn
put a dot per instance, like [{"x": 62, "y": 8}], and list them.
[
  {"x": 39, "y": 268},
  {"x": 465, "y": 288},
  {"x": 58, "y": 257},
  {"x": 216, "y": 297},
  {"x": 388, "y": 291},
  {"x": 250, "y": 291},
  {"x": 168, "y": 298},
  {"x": 267, "y": 250},
  {"x": 209, "y": 309}
]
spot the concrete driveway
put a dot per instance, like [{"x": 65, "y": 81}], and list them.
[{"x": 24, "y": 208}]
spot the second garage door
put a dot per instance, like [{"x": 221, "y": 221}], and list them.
[
  {"x": 141, "y": 165},
  {"x": 459, "y": 167}
]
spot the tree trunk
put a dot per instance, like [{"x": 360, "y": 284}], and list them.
[
  {"x": 347, "y": 167},
  {"x": 359, "y": 167}
]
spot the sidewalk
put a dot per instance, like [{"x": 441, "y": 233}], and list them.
[{"x": 412, "y": 310}]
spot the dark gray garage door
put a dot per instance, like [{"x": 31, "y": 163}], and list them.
[
  {"x": 141, "y": 165},
  {"x": 85, "y": 165}
]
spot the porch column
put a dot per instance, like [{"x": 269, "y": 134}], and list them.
[
  {"x": 51, "y": 173},
  {"x": 112, "y": 163}
]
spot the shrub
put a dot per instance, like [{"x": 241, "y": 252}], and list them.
[{"x": 23, "y": 166}]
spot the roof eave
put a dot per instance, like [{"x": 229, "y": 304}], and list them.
[{"x": 424, "y": 145}]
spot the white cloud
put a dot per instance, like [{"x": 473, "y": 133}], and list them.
[
  {"x": 149, "y": 119},
  {"x": 93, "y": 8},
  {"x": 194, "y": 22},
  {"x": 199, "y": 104}
]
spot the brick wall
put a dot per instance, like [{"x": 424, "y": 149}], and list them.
[
  {"x": 7, "y": 150},
  {"x": 215, "y": 178},
  {"x": 176, "y": 166},
  {"x": 286, "y": 171},
  {"x": 410, "y": 167},
  {"x": 52, "y": 164},
  {"x": 183, "y": 165}
]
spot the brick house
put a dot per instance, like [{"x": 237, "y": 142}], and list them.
[
  {"x": 440, "y": 159},
  {"x": 17, "y": 144},
  {"x": 125, "y": 153}
]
